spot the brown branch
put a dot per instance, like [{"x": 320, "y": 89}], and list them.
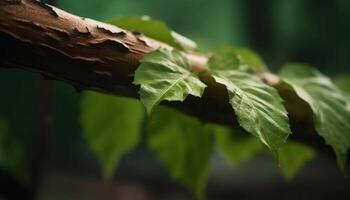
[
  {"x": 89, "y": 54},
  {"x": 92, "y": 55}
]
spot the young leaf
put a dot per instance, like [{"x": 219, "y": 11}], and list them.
[
  {"x": 292, "y": 157},
  {"x": 258, "y": 106},
  {"x": 111, "y": 126},
  {"x": 166, "y": 75},
  {"x": 183, "y": 146},
  {"x": 155, "y": 29},
  {"x": 331, "y": 117},
  {"x": 244, "y": 59},
  {"x": 234, "y": 145},
  {"x": 251, "y": 60},
  {"x": 225, "y": 58}
]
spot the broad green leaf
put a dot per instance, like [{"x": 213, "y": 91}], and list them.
[
  {"x": 12, "y": 155},
  {"x": 225, "y": 58},
  {"x": 292, "y": 157},
  {"x": 166, "y": 75},
  {"x": 331, "y": 117},
  {"x": 237, "y": 58},
  {"x": 182, "y": 145},
  {"x": 258, "y": 107},
  {"x": 155, "y": 29},
  {"x": 234, "y": 145},
  {"x": 251, "y": 60},
  {"x": 111, "y": 126}
]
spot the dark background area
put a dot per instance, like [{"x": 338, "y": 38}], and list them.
[{"x": 316, "y": 32}]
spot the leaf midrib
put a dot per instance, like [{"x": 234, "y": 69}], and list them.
[
  {"x": 254, "y": 110},
  {"x": 172, "y": 85}
]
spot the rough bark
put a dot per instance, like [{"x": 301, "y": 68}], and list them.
[
  {"x": 92, "y": 55},
  {"x": 88, "y": 54}
]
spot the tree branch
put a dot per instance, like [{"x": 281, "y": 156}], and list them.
[{"x": 92, "y": 55}]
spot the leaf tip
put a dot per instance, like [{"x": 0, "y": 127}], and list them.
[{"x": 341, "y": 161}]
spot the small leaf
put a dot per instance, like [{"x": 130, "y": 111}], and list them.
[
  {"x": 258, "y": 107},
  {"x": 237, "y": 58},
  {"x": 251, "y": 60},
  {"x": 183, "y": 146},
  {"x": 155, "y": 29},
  {"x": 225, "y": 58},
  {"x": 111, "y": 126},
  {"x": 234, "y": 145},
  {"x": 331, "y": 116},
  {"x": 166, "y": 75},
  {"x": 292, "y": 157}
]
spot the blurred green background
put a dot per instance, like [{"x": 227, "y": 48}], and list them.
[{"x": 311, "y": 31}]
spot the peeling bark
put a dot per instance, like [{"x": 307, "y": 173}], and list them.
[{"x": 88, "y": 54}]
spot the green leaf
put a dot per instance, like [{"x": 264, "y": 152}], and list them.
[
  {"x": 182, "y": 145},
  {"x": 225, "y": 58},
  {"x": 12, "y": 154},
  {"x": 331, "y": 117},
  {"x": 251, "y": 60},
  {"x": 258, "y": 107},
  {"x": 343, "y": 82},
  {"x": 234, "y": 145},
  {"x": 155, "y": 29},
  {"x": 292, "y": 157},
  {"x": 237, "y": 58},
  {"x": 166, "y": 75},
  {"x": 111, "y": 126}
]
